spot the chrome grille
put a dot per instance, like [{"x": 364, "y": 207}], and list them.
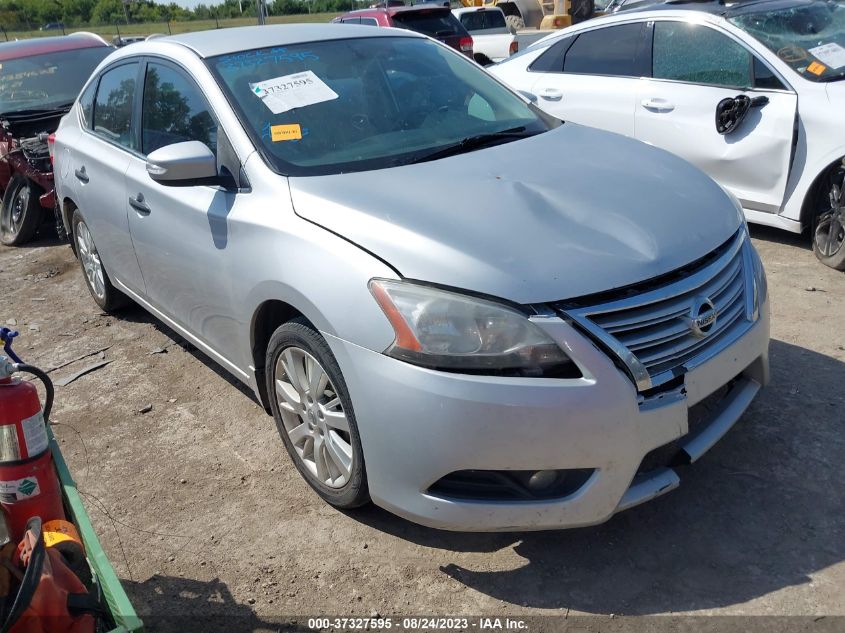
[{"x": 650, "y": 329}]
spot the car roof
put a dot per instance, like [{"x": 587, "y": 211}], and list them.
[
  {"x": 462, "y": 10},
  {"x": 719, "y": 7},
  {"x": 245, "y": 38},
  {"x": 426, "y": 7},
  {"x": 43, "y": 45}
]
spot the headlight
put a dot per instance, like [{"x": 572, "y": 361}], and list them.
[
  {"x": 452, "y": 332},
  {"x": 761, "y": 288}
]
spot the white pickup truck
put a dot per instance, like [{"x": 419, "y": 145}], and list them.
[{"x": 492, "y": 40}]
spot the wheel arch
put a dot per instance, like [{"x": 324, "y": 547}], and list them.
[
  {"x": 67, "y": 207},
  {"x": 266, "y": 319},
  {"x": 808, "y": 205}
]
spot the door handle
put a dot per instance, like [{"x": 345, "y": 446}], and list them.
[
  {"x": 139, "y": 205},
  {"x": 80, "y": 174},
  {"x": 551, "y": 94},
  {"x": 660, "y": 105}
]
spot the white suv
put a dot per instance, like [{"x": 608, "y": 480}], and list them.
[{"x": 752, "y": 93}]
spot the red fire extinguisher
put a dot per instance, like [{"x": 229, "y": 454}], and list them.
[{"x": 29, "y": 485}]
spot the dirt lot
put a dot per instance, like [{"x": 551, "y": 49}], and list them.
[{"x": 201, "y": 512}]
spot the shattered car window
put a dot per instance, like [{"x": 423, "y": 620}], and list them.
[
  {"x": 698, "y": 54},
  {"x": 809, "y": 37}
]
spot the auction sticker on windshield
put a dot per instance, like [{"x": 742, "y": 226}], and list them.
[
  {"x": 831, "y": 54},
  {"x": 292, "y": 91},
  {"x": 291, "y": 132}
]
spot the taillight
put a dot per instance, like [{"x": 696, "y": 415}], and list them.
[
  {"x": 466, "y": 45},
  {"x": 51, "y": 146},
  {"x": 514, "y": 47}
]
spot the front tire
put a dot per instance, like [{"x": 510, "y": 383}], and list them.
[
  {"x": 314, "y": 414},
  {"x": 20, "y": 215},
  {"x": 96, "y": 278},
  {"x": 829, "y": 221}
]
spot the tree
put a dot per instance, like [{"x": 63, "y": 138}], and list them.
[{"x": 107, "y": 12}]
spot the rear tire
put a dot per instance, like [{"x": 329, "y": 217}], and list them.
[
  {"x": 515, "y": 23},
  {"x": 20, "y": 215},
  {"x": 829, "y": 221},
  {"x": 109, "y": 298},
  {"x": 482, "y": 59},
  {"x": 314, "y": 415}
]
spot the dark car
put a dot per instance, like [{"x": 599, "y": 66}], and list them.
[
  {"x": 39, "y": 81},
  {"x": 53, "y": 26},
  {"x": 429, "y": 19}
]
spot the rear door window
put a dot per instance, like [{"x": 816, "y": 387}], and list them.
[
  {"x": 699, "y": 54},
  {"x": 112, "y": 118},
  {"x": 614, "y": 51}
]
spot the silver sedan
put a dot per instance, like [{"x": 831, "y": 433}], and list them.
[{"x": 454, "y": 305}]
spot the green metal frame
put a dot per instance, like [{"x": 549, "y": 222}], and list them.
[{"x": 121, "y": 609}]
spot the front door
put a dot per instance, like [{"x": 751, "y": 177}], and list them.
[
  {"x": 695, "y": 67},
  {"x": 181, "y": 233}
]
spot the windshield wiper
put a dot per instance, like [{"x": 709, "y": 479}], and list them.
[{"x": 471, "y": 143}]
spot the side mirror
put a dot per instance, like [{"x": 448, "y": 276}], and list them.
[{"x": 187, "y": 163}]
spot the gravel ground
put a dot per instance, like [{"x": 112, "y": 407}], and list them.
[{"x": 202, "y": 514}]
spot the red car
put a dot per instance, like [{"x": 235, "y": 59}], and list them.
[
  {"x": 435, "y": 21},
  {"x": 39, "y": 81}
]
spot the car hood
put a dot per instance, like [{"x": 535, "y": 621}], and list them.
[
  {"x": 836, "y": 92},
  {"x": 563, "y": 214}
]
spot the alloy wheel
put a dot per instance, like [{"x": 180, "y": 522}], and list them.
[
  {"x": 13, "y": 217},
  {"x": 313, "y": 417},
  {"x": 830, "y": 228},
  {"x": 90, "y": 259}
]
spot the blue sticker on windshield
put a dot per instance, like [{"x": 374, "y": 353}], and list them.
[{"x": 276, "y": 55}]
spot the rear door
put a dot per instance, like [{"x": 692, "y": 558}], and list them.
[
  {"x": 593, "y": 77},
  {"x": 98, "y": 168},
  {"x": 695, "y": 67}
]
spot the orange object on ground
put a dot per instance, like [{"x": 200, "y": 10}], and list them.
[{"x": 49, "y": 591}]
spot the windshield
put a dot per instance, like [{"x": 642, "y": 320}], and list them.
[
  {"x": 809, "y": 37},
  {"x": 46, "y": 81},
  {"x": 359, "y": 104}
]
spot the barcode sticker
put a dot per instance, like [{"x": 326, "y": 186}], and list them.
[{"x": 35, "y": 434}]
